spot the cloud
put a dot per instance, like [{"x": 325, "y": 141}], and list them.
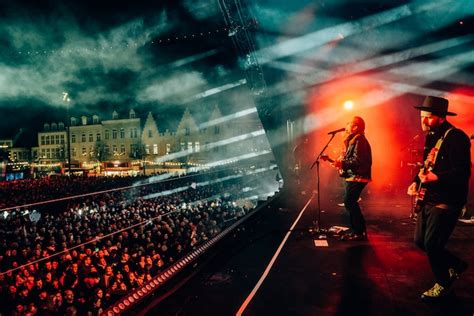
[
  {"x": 45, "y": 63},
  {"x": 173, "y": 87}
]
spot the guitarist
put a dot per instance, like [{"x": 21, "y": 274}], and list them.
[
  {"x": 445, "y": 184},
  {"x": 355, "y": 166}
]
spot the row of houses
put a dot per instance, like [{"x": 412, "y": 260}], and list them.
[{"x": 127, "y": 145}]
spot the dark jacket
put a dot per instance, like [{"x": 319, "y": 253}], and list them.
[
  {"x": 357, "y": 161},
  {"x": 452, "y": 166}
]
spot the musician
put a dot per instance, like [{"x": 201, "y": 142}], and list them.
[
  {"x": 355, "y": 166},
  {"x": 445, "y": 178}
]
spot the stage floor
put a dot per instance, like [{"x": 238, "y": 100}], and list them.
[{"x": 382, "y": 276}]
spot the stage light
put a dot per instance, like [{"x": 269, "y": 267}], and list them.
[{"x": 348, "y": 105}]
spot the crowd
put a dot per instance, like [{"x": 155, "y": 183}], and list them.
[
  {"x": 12, "y": 193},
  {"x": 81, "y": 259}
]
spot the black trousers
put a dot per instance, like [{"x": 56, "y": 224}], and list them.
[
  {"x": 433, "y": 228},
  {"x": 351, "y": 197}
]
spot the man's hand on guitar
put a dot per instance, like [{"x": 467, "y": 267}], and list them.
[
  {"x": 412, "y": 189},
  {"x": 427, "y": 176},
  {"x": 337, "y": 163}
]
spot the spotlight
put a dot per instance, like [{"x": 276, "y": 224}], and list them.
[{"x": 348, "y": 105}]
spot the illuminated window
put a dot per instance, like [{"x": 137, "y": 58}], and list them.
[
  {"x": 122, "y": 133},
  {"x": 155, "y": 149}
]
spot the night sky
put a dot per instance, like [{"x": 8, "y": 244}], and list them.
[{"x": 146, "y": 55}]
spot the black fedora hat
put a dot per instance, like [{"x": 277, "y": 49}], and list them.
[{"x": 435, "y": 105}]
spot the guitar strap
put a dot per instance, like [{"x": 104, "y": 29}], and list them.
[{"x": 439, "y": 143}]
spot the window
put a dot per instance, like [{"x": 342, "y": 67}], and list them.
[
  {"x": 107, "y": 134},
  {"x": 122, "y": 133},
  {"x": 84, "y": 120},
  {"x": 42, "y": 140},
  {"x": 48, "y": 153},
  {"x": 47, "y": 140},
  {"x": 187, "y": 131},
  {"x": 147, "y": 149},
  {"x": 150, "y": 133},
  {"x": 197, "y": 147},
  {"x": 132, "y": 114},
  {"x": 168, "y": 148},
  {"x": 114, "y": 115},
  {"x": 114, "y": 134},
  {"x": 106, "y": 149},
  {"x": 155, "y": 149},
  {"x": 134, "y": 132},
  {"x": 97, "y": 137},
  {"x": 62, "y": 139},
  {"x": 91, "y": 137},
  {"x": 182, "y": 145},
  {"x": 57, "y": 139},
  {"x": 134, "y": 150},
  {"x": 217, "y": 130},
  {"x": 190, "y": 147},
  {"x": 84, "y": 152},
  {"x": 73, "y": 138},
  {"x": 83, "y": 138},
  {"x": 74, "y": 153},
  {"x": 122, "y": 149},
  {"x": 114, "y": 149},
  {"x": 95, "y": 119}
]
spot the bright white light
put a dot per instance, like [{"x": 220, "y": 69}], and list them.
[{"x": 348, "y": 105}]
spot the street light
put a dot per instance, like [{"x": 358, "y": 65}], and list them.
[{"x": 68, "y": 127}]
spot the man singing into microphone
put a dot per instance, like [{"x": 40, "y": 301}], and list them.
[{"x": 356, "y": 169}]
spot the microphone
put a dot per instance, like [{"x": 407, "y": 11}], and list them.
[{"x": 337, "y": 131}]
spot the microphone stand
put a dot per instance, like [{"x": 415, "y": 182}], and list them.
[{"x": 316, "y": 228}]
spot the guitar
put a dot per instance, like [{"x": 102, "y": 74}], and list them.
[
  {"x": 342, "y": 173},
  {"x": 421, "y": 190}
]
